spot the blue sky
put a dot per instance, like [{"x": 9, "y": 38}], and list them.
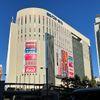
[{"x": 78, "y": 13}]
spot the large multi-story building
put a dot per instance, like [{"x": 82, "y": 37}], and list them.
[
  {"x": 39, "y": 40},
  {"x": 97, "y": 38}
]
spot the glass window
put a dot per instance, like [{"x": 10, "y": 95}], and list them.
[
  {"x": 21, "y": 31},
  {"x": 22, "y": 20},
  {"x": 47, "y": 29},
  {"x": 43, "y": 29},
  {"x": 34, "y": 18},
  {"x": 39, "y": 19},
  {"x": 29, "y": 29},
  {"x": 30, "y": 18},
  {"x": 25, "y": 19},
  {"x": 43, "y": 20},
  {"x": 47, "y": 21},
  {"x": 39, "y": 30},
  {"x": 29, "y": 35},
  {"x": 25, "y": 35}
]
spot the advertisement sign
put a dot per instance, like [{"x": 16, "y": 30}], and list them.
[
  {"x": 30, "y": 57},
  {"x": 65, "y": 64},
  {"x": 70, "y": 66},
  {"x": 30, "y": 69},
  {"x": 62, "y": 65}
]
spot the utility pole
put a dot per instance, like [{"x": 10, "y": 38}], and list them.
[{"x": 47, "y": 81}]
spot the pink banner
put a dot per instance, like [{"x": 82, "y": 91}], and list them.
[{"x": 30, "y": 69}]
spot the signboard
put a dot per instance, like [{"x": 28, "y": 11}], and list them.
[
  {"x": 30, "y": 57},
  {"x": 62, "y": 63},
  {"x": 65, "y": 64},
  {"x": 70, "y": 66}
]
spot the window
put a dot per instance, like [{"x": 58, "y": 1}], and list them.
[
  {"x": 47, "y": 29},
  {"x": 21, "y": 31},
  {"x": 47, "y": 21},
  {"x": 30, "y": 18},
  {"x": 39, "y": 30},
  {"x": 34, "y": 18},
  {"x": 29, "y": 29},
  {"x": 39, "y": 19},
  {"x": 43, "y": 29},
  {"x": 22, "y": 20},
  {"x": 29, "y": 35},
  {"x": 43, "y": 20},
  {"x": 25, "y": 19},
  {"x": 25, "y": 35}
]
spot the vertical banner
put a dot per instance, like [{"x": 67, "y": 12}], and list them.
[
  {"x": 30, "y": 57},
  {"x": 70, "y": 66},
  {"x": 62, "y": 66}
]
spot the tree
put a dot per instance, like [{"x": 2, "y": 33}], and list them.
[
  {"x": 85, "y": 82},
  {"x": 77, "y": 82},
  {"x": 66, "y": 81},
  {"x": 93, "y": 83}
]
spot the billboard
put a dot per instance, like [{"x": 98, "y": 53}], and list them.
[
  {"x": 62, "y": 58},
  {"x": 70, "y": 65},
  {"x": 65, "y": 64},
  {"x": 30, "y": 57}
]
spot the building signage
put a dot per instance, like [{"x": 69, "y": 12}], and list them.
[
  {"x": 70, "y": 66},
  {"x": 62, "y": 66},
  {"x": 53, "y": 17},
  {"x": 30, "y": 57},
  {"x": 65, "y": 64}
]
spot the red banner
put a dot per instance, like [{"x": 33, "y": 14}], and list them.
[{"x": 30, "y": 69}]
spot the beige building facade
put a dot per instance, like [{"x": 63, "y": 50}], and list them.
[{"x": 29, "y": 53}]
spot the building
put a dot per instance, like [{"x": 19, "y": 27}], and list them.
[
  {"x": 97, "y": 39},
  {"x": 0, "y": 72},
  {"x": 39, "y": 40}
]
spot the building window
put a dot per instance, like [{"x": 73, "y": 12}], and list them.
[
  {"x": 29, "y": 29},
  {"x": 47, "y": 21},
  {"x": 25, "y": 19},
  {"x": 47, "y": 29},
  {"x": 21, "y": 36},
  {"x": 22, "y": 20},
  {"x": 39, "y": 35},
  {"x": 34, "y": 18},
  {"x": 43, "y": 29},
  {"x": 39, "y": 30},
  {"x": 30, "y": 18},
  {"x": 21, "y": 31},
  {"x": 43, "y": 20},
  {"x": 29, "y": 35},
  {"x": 25, "y": 35},
  {"x": 39, "y": 19}
]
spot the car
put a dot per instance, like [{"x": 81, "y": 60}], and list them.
[{"x": 85, "y": 94}]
